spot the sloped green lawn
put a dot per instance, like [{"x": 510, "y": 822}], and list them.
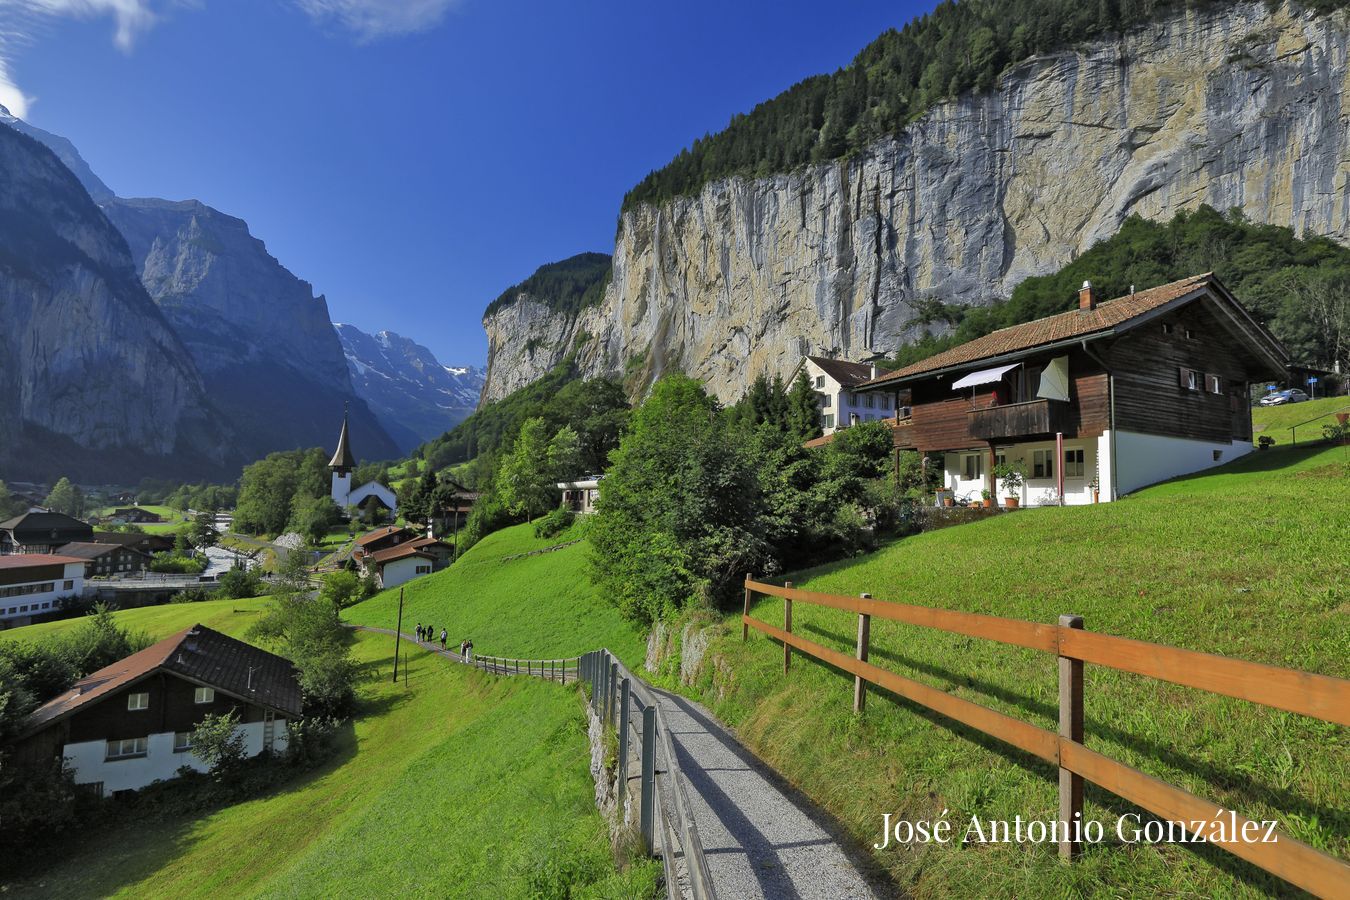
[
  {"x": 228, "y": 616},
  {"x": 457, "y": 784},
  {"x": 1277, "y": 421},
  {"x": 541, "y": 606},
  {"x": 1249, "y": 562}
]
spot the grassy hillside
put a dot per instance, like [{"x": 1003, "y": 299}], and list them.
[
  {"x": 421, "y": 800},
  {"x": 229, "y": 616},
  {"x": 1276, "y": 421},
  {"x": 531, "y": 606},
  {"x": 1248, "y": 562}
]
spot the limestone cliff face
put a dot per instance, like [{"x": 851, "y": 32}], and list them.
[
  {"x": 1236, "y": 106},
  {"x": 93, "y": 375}
]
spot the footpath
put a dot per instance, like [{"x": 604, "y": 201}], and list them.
[{"x": 761, "y": 837}]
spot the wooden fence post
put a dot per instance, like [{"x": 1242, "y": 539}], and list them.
[
  {"x": 648, "y": 775},
  {"x": 624, "y": 688},
  {"x": 745, "y": 629},
  {"x": 787, "y": 626},
  {"x": 864, "y": 639},
  {"x": 612, "y": 696},
  {"x": 1070, "y": 729}
]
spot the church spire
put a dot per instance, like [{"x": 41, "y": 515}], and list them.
[{"x": 342, "y": 460}]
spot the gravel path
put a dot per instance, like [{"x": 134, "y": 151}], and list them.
[{"x": 761, "y": 837}]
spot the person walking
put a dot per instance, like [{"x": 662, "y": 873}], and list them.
[
  {"x": 419, "y": 631},
  {"x": 468, "y": 650},
  {"x": 443, "y": 637}
]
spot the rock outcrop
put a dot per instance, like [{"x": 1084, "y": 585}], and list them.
[
  {"x": 414, "y": 396},
  {"x": 94, "y": 378},
  {"x": 1230, "y": 105}
]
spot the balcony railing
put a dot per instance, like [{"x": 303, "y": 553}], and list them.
[{"x": 1018, "y": 419}]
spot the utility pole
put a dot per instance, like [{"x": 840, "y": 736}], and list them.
[{"x": 398, "y": 634}]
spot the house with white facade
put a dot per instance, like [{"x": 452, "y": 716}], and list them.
[
  {"x": 834, "y": 381},
  {"x": 1095, "y": 402},
  {"x": 33, "y": 584},
  {"x": 130, "y": 724},
  {"x": 580, "y": 496}
]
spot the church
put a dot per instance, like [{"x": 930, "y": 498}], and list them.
[{"x": 341, "y": 465}]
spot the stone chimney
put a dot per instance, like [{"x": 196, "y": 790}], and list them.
[
  {"x": 874, "y": 370},
  {"x": 1087, "y": 298}
]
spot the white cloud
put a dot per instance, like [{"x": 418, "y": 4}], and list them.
[
  {"x": 373, "y": 19},
  {"x": 11, "y": 98},
  {"x": 130, "y": 17}
]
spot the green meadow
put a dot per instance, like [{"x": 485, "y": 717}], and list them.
[
  {"x": 1278, "y": 422},
  {"x": 1248, "y": 561}
]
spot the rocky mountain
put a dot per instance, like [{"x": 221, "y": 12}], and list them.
[
  {"x": 413, "y": 395},
  {"x": 262, "y": 340},
  {"x": 259, "y": 339},
  {"x": 1231, "y": 105},
  {"x": 95, "y": 379}
]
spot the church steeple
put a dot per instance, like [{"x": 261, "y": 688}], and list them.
[{"x": 342, "y": 460}]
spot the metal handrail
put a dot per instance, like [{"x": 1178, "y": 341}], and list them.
[
  {"x": 1293, "y": 429},
  {"x": 597, "y": 667}
]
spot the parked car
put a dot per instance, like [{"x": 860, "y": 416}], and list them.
[{"x": 1279, "y": 398}]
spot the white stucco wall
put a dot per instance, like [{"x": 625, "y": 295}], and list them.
[
  {"x": 373, "y": 489},
  {"x": 12, "y": 608},
  {"x": 403, "y": 570},
  {"x": 342, "y": 487},
  {"x": 1144, "y": 459},
  {"x": 160, "y": 763},
  {"x": 1034, "y": 491}
]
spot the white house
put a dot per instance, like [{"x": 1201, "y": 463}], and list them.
[
  {"x": 130, "y": 724},
  {"x": 580, "y": 495},
  {"x": 840, "y": 406},
  {"x": 400, "y": 564},
  {"x": 32, "y": 584},
  {"x": 344, "y": 495}
]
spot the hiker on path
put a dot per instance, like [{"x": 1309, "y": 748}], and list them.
[
  {"x": 464, "y": 650},
  {"x": 443, "y": 637},
  {"x": 468, "y": 651}
]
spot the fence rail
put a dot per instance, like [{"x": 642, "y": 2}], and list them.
[
  {"x": 563, "y": 670},
  {"x": 622, "y": 700},
  {"x": 1318, "y": 696}
]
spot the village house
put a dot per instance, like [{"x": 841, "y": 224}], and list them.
[
  {"x": 106, "y": 560},
  {"x": 834, "y": 380},
  {"x": 131, "y": 723},
  {"x": 149, "y": 544},
  {"x": 453, "y": 513},
  {"x": 383, "y": 538},
  {"x": 393, "y": 566},
  {"x": 136, "y": 516},
  {"x": 1098, "y": 401},
  {"x": 33, "y": 584},
  {"x": 41, "y": 532},
  {"x": 579, "y": 496}
]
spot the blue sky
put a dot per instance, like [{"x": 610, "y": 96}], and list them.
[{"x": 410, "y": 158}]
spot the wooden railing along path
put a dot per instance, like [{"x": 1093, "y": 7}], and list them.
[{"x": 1318, "y": 696}]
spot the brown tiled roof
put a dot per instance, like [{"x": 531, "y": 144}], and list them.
[
  {"x": 1052, "y": 329},
  {"x": 841, "y": 370},
  {"x": 372, "y": 536},
  {"x": 93, "y": 549},
  {"x": 428, "y": 542},
  {"x": 389, "y": 554},
  {"x": 32, "y": 560},
  {"x": 39, "y": 525},
  {"x": 198, "y": 654}
]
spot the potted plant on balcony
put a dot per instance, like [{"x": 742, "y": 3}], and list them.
[
  {"x": 1011, "y": 474},
  {"x": 988, "y": 497}
]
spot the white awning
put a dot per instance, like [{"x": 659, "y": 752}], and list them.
[{"x": 984, "y": 376}]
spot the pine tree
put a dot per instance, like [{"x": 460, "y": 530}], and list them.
[
  {"x": 803, "y": 408},
  {"x": 65, "y": 498}
]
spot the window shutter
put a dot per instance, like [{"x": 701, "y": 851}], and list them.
[{"x": 1182, "y": 377}]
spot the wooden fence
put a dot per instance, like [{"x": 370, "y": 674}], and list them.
[
  {"x": 1318, "y": 696},
  {"x": 562, "y": 670}
]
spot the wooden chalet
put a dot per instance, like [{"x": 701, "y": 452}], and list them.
[
  {"x": 41, "y": 532},
  {"x": 130, "y": 723},
  {"x": 1103, "y": 399}
]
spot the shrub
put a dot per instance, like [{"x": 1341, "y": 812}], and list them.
[
  {"x": 218, "y": 742},
  {"x": 239, "y": 583},
  {"x": 555, "y": 522}
]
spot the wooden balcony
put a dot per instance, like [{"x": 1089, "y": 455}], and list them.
[{"x": 1016, "y": 420}]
